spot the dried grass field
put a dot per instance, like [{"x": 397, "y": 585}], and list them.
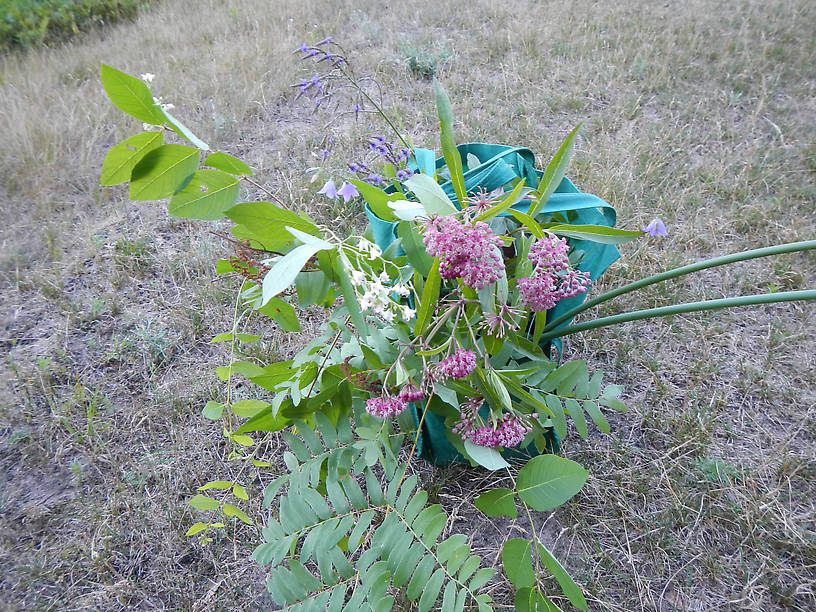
[{"x": 702, "y": 112}]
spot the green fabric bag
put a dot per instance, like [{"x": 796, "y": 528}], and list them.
[{"x": 490, "y": 166}]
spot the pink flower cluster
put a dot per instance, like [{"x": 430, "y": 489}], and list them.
[
  {"x": 459, "y": 365},
  {"x": 385, "y": 406},
  {"x": 510, "y": 431},
  {"x": 469, "y": 252},
  {"x": 546, "y": 287},
  {"x": 411, "y": 393}
]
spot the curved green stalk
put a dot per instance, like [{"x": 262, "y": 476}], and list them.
[
  {"x": 745, "y": 300},
  {"x": 702, "y": 265}
]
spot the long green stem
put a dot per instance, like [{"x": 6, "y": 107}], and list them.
[
  {"x": 745, "y": 300},
  {"x": 657, "y": 278}
]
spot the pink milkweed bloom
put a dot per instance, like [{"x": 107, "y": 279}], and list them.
[{"x": 656, "y": 228}]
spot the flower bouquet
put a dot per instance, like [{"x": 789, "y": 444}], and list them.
[{"x": 443, "y": 332}]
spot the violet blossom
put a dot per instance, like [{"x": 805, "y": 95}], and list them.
[{"x": 656, "y": 228}]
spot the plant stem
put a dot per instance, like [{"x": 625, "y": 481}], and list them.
[
  {"x": 744, "y": 300},
  {"x": 702, "y": 265}
]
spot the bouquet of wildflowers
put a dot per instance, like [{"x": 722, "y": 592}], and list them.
[{"x": 443, "y": 317}]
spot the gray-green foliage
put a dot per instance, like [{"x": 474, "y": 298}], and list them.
[{"x": 343, "y": 541}]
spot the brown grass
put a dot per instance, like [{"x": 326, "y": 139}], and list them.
[{"x": 702, "y": 112}]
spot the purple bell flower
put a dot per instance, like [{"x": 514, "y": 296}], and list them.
[
  {"x": 348, "y": 191},
  {"x": 329, "y": 190},
  {"x": 656, "y": 228}
]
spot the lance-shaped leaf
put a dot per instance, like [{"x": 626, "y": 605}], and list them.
[
  {"x": 130, "y": 95},
  {"x": 432, "y": 197},
  {"x": 163, "y": 172},
  {"x": 547, "y": 481},
  {"x": 567, "y": 584},
  {"x": 227, "y": 163},
  {"x": 305, "y": 238},
  {"x": 121, "y": 159},
  {"x": 283, "y": 273},
  {"x": 596, "y": 233},
  {"x": 182, "y": 130},
  {"x": 430, "y": 296},
  {"x": 451, "y": 154},
  {"x": 554, "y": 172},
  {"x": 207, "y": 196}
]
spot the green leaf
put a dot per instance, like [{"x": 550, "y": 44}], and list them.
[
  {"x": 554, "y": 173},
  {"x": 431, "y": 590},
  {"x": 231, "y": 510},
  {"x": 242, "y": 439},
  {"x": 414, "y": 248},
  {"x": 597, "y": 416},
  {"x": 130, "y": 95},
  {"x": 556, "y": 409},
  {"x": 265, "y": 223},
  {"x": 207, "y": 196},
  {"x": 513, "y": 197},
  {"x": 182, "y": 130},
  {"x": 246, "y": 409},
  {"x": 528, "y": 222},
  {"x": 567, "y": 584},
  {"x": 595, "y": 233},
  {"x": 488, "y": 458},
  {"x": 453, "y": 159},
  {"x": 577, "y": 416},
  {"x": 430, "y": 298},
  {"x": 305, "y": 238},
  {"x": 196, "y": 528},
  {"x": 432, "y": 197},
  {"x": 283, "y": 313},
  {"x": 240, "y": 492},
  {"x": 202, "y": 502},
  {"x": 221, "y": 485},
  {"x": 121, "y": 158},
  {"x": 283, "y": 273},
  {"x": 377, "y": 199},
  {"x": 517, "y": 561},
  {"x": 213, "y": 410},
  {"x": 547, "y": 481},
  {"x": 227, "y": 163},
  {"x": 498, "y": 502},
  {"x": 162, "y": 172}
]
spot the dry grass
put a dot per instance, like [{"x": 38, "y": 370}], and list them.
[{"x": 702, "y": 111}]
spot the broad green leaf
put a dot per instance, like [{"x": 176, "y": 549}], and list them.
[
  {"x": 196, "y": 528},
  {"x": 453, "y": 159},
  {"x": 242, "y": 439},
  {"x": 213, "y": 410},
  {"x": 130, "y": 95},
  {"x": 567, "y": 584},
  {"x": 221, "y": 485},
  {"x": 414, "y": 248},
  {"x": 431, "y": 590},
  {"x": 577, "y": 416},
  {"x": 406, "y": 210},
  {"x": 202, "y": 502},
  {"x": 517, "y": 561},
  {"x": 162, "y": 172},
  {"x": 377, "y": 199},
  {"x": 227, "y": 163},
  {"x": 231, "y": 510},
  {"x": 266, "y": 223},
  {"x": 305, "y": 238},
  {"x": 312, "y": 288},
  {"x": 595, "y": 233},
  {"x": 182, "y": 130},
  {"x": 594, "y": 411},
  {"x": 432, "y": 197},
  {"x": 430, "y": 298},
  {"x": 547, "y": 481},
  {"x": 283, "y": 273},
  {"x": 240, "y": 492},
  {"x": 554, "y": 172},
  {"x": 488, "y": 458},
  {"x": 207, "y": 196},
  {"x": 246, "y": 409},
  {"x": 121, "y": 158},
  {"x": 556, "y": 409},
  {"x": 498, "y": 502},
  {"x": 283, "y": 313}
]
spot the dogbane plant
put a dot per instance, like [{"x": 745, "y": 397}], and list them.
[{"x": 450, "y": 319}]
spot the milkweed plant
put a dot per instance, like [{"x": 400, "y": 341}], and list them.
[{"x": 453, "y": 322}]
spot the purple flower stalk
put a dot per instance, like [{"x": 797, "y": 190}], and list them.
[
  {"x": 469, "y": 252},
  {"x": 656, "y": 228},
  {"x": 385, "y": 406}
]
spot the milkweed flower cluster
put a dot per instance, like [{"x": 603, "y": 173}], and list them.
[
  {"x": 553, "y": 279},
  {"x": 508, "y": 431},
  {"x": 467, "y": 251},
  {"x": 385, "y": 406},
  {"x": 459, "y": 365}
]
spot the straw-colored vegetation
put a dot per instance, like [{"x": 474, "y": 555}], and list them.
[{"x": 701, "y": 112}]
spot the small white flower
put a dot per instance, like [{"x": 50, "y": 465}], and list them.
[
  {"x": 384, "y": 278},
  {"x": 357, "y": 278},
  {"x": 364, "y": 244},
  {"x": 387, "y": 316},
  {"x": 147, "y": 77},
  {"x": 408, "y": 313},
  {"x": 149, "y": 127},
  {"x": 374, "y": 252},
  {"x": 401, "y": 290},
  {"x": 168, "y": 106}
]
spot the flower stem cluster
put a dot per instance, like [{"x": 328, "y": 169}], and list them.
[
  {"x": 377, "y": 291},
  {"x": 467, "y": 251},
  {"x": 457, "y": 366},
  {"x": 385, "y": 406},
  {"x": 388, "y": 152},
  {"x": 553, "y": 279}
]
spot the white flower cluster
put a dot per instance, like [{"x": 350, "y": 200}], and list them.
[
  {"x": 377, "y": 296},
  {"x": 370, "y": 248}
]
